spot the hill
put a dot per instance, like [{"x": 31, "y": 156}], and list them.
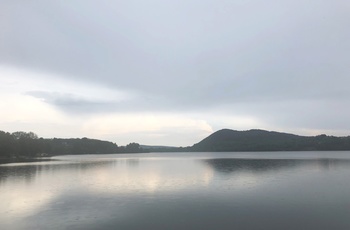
[{"x": 226, "y": 140}]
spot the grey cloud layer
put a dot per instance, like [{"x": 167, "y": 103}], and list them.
[{"x": 190, "y": 54}]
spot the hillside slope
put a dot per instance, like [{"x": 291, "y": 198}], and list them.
[{"x": 261, "y": 140}]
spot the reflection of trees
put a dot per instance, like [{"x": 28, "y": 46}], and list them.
[
  {"x": 23, "y": 160},
  {"x": 330, "y": 164},
  {"x": 30, "y": 171},
  {"x": 26, "y": 173},
  {"x": 133, "y": 162},
  {"x": 261, "y": 165}
]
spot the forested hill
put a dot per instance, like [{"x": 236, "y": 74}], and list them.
[
  {"x": 28, "y": 145},
  {"x": 22, "y": 145},
  {"x": 261, "y": 140}
]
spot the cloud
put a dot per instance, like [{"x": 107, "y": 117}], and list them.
[
  {"x": 71, "y": 103},
  {"x": 69, "y": 96},
  {"x": 238, "y": 64},
  {"x": 190, "y": 53}
]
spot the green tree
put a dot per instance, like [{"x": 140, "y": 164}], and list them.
[{"x": 133, "y": 148}]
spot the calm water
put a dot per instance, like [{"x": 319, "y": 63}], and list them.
[{"x": 286, "y": 190}]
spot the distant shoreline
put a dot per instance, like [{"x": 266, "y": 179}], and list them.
[
  {"x": 28, "y": 147},
  {"x": 49, "y": 158}
]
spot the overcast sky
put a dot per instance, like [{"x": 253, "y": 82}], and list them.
[{"x": 171, "y": 72}]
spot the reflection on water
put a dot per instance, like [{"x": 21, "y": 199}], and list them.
[
  {"x": 173, "y": 191},
  {"x": 262, "y": 165}
]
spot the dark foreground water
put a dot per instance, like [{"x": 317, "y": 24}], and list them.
[{"x": 283, "y": 190}]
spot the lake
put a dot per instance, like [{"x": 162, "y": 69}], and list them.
[{"x": 261, "y": 190}]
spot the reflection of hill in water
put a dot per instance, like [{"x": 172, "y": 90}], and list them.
[{"x": 264, "y": 165}]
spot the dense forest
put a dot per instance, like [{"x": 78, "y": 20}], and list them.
[
  {"x": 227, "y": 140},
  {"x": 24, "y": 145}
]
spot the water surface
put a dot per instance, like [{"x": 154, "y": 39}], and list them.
[{"x": 279, "y": 190}]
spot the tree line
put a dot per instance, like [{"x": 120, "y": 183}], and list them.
[{"x": 28, "y": 144}]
